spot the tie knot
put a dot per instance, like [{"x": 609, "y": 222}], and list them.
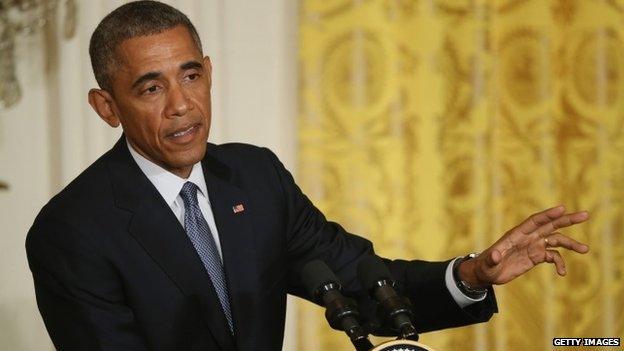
[{"x": 189, "y": 194}]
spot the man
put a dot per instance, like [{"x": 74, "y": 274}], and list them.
[{"x": 169, "y": 243}]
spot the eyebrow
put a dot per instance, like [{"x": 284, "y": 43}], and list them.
[
  {"x": 154, "y": 75},
  {"x": 147, "y": 76},
  {"x": 191, "y": 65}
]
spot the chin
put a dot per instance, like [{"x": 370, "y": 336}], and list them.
[{"x": 189, "y": 157}]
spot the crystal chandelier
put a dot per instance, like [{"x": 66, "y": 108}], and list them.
[{"x": 25, "y": 17}]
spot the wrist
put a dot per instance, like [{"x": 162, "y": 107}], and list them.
[
  {"x": 466, "y": 277},
  {"x": 466, "y": 272}
]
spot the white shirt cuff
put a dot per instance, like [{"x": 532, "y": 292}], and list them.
[{"x": 459, "y": 297}]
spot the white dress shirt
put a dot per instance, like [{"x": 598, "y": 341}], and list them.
[{"x": 169, "y": 186}]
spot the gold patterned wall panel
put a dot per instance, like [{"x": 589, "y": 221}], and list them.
[{"x": 442, "y": 123}]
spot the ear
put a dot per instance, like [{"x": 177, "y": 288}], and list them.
[
  {"x": 102, "y": 102},
  {"x": 208, "y": 69}
]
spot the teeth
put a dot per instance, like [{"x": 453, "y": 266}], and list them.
[{"x": 182, "y": 133}]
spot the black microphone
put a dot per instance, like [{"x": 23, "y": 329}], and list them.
[
  {"x": 376, "y": 278},
  {"x": 341, "y": 312}
]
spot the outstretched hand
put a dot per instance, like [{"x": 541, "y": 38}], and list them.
[{"x": 523, "y": 247}]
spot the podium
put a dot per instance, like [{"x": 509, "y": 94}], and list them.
[{"x": 402, "y": 345}]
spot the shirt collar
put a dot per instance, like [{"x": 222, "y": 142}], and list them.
[{"x": 167, "y": 183}]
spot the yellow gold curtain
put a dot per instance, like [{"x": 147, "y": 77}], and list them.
[{"x": 432, "y": 126}]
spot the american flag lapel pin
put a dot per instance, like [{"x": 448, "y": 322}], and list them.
[{"x": 238, "y": 208}]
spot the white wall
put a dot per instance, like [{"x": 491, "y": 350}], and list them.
[{"x": 52, "y": 134}]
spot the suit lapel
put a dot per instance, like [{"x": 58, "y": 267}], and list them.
[
  {"x": 157, "y": 229},
  {"x": 233, "y": 213}
]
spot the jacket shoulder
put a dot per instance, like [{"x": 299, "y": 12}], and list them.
[
  {"x": 235, "y": 157},
  {"x": 87, "y": 193},
  {"x": 229, "y": 151}
]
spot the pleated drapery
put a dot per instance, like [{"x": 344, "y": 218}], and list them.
[{"x": 433, "y": 126}]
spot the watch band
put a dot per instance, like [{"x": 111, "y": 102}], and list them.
[{"x": 463, "y": 286}]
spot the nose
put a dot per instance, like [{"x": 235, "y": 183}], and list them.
[{"x": 178, "y": 103}]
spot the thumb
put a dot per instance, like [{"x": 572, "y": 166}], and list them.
[{"x": 493, "y": 258}]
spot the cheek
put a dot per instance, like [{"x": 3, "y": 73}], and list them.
[
  {"x": 152, "y": 121},
  {"x": 201, "y": 97},
  {"x": 143, "y": 123},
  {"x": 149, "y": 129}
]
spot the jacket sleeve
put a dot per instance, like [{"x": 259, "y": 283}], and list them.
[
  {"x": 78, "y": 293},
  {"x": 312, "y": 236}
]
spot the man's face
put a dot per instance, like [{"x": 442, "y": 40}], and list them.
[{"x": 161, "y": 95}]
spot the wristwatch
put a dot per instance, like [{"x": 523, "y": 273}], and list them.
[{"x": 464, "y": 287}]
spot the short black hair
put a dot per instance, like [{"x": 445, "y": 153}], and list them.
[{"x": 134, "y": 19}]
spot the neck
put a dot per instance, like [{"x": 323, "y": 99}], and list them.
[{"x": 182, "y": 172}]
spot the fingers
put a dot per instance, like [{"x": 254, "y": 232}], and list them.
[
  {"x": 553, "y": 256},
  {"x": 540, "y": 219},
  {"x": 562, "y": 222},
  {"x": 560, "y": 240}
]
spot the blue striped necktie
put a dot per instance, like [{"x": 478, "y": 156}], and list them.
[{"x": 198, "y": 231}]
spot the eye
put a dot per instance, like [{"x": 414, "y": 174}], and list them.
[
  {"x": 151, "y": 89},
  {"x": 193, "y": 76}
]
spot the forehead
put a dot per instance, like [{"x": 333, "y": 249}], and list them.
[{"x": 157, "y": 52}]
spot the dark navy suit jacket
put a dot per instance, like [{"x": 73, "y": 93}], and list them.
[{"x": 114, "y": 270}]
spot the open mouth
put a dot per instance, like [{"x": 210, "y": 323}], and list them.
[{"x": 185, "y": 134}]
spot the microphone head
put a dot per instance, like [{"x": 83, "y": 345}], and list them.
[
  {"x": 371, "y": 270},
  {"x": 315, "y": 274}
]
